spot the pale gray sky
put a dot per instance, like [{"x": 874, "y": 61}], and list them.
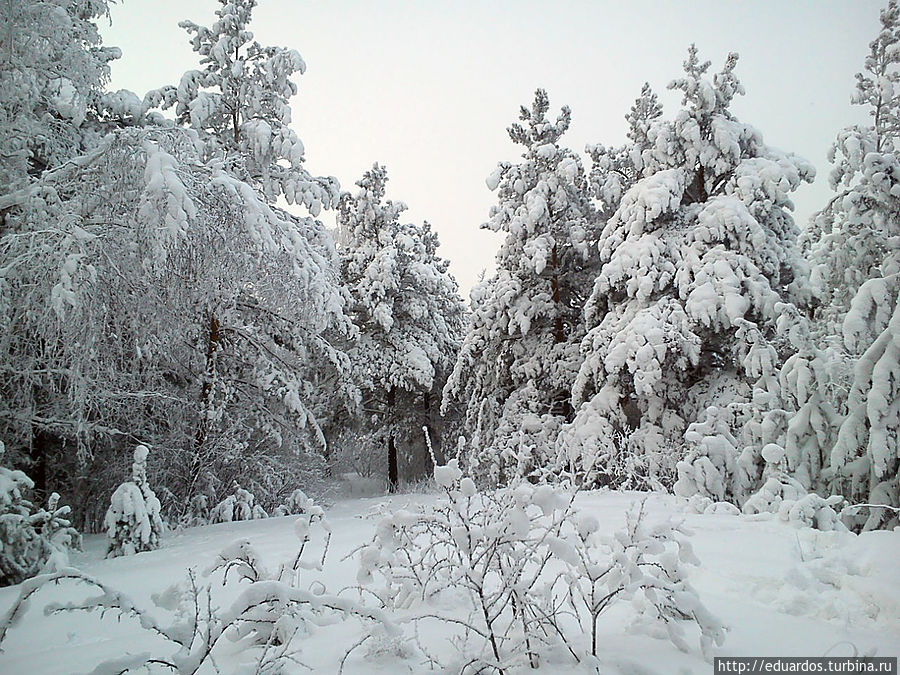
[{"x": 428, "y": 87}]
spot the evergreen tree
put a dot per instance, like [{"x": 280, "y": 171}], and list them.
[
  {"x": 615, "y": 170},
  {"x": 409, "y": 314},
  {"x": 51, "y": 82},
  {"x": 855, "y": 255},
  {"x": 32, "y": 540},
  {"x": 520, "y": 356},
  {"x": 698, "y": 263},
  {"x": 238, "y": 102},
  {"x": 133, "y": 522}
]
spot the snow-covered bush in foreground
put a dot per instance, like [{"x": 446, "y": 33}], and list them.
[
  {"x": 535, "y": 574},
  {"x": 133, "y": 522},
  {"x": 31, "y": 541},
  {"x": 265, "y": 611}
]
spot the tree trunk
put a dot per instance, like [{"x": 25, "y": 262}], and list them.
[
  {"x": 40, "y": 449},
  {"x": 393, "y": 477},
  {"x": 428, "y": 465},
  {"x": 206, "y": 393},
  {"x": 212, "y": 345}
]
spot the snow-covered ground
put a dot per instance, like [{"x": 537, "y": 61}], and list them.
[{"x": 780, "y": 589}]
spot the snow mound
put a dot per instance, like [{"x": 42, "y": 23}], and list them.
[{"x": 841, "y": 578}]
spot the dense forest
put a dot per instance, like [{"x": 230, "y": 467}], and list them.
[{"x": 656, "y": 321}]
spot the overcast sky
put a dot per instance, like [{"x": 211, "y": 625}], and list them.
[{"x": 428, "y": 88}]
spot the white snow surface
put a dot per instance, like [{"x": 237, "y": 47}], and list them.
[{"x": 782, "y": 590}]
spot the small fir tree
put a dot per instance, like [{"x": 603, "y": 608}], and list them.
[
  {"x": 32, "y": 541},
  {"x": 133, "y": 521}
]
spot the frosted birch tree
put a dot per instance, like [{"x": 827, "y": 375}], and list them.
[
  {"x": 148, "y": 295},
  {"x": 53, "y": 74}
]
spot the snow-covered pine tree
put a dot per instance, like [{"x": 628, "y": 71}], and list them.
[
  {"x": 520, "y": 356},
  {"x": 133, "y": 521},
  {"x": 854, "y": 249},
  {"x": 850, "y": 238},
  {"x": 698, "y": 263},
  {"x": 53, "y": 73},
  {"x": 32, "y": 541},
  {"x": 615, "y": 170},
  {"x": 238, "y": 102},
  {"x": 409, "y": 314}
]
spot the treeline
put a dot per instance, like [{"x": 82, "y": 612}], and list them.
[{"x": 657, "y": 320}]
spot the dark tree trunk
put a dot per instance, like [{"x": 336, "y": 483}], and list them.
[
  {"x": 393, "y": 479},
  {"x": 41, "y": 443},
  {"x": 212, "y": 345},
  {"x": 393, "y": 473}
]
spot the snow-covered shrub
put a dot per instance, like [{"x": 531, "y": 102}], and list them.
[
  {"x": 702, "y": 504},
  {"x": 264, "y": 611},
  {"x": 32, "y": 541},
  {"x": 597, "y": 455},
  {"x": 784, "y": 495},
  {"x": 815, "y": 511},
  {"x": 133, "y": 522},
  {"x": 643, "y": 562},
  {"x": 534, "y": 571},
  {"x": 713, "y": 466},
  {"x": 239, "y": 505},
  {"x": 296, "y": 504}
]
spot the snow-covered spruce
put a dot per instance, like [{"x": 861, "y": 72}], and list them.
[
  {"x": 535, "y": 572},
  {"x": 32, "y": 540},
  {"x": 410, "y": 318},
  {"x": 133, "y": 522},
  {"x": 518, "y": 361},
  {"x": 854, "y": 249},
  {"x": 698, "y": 264}
]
